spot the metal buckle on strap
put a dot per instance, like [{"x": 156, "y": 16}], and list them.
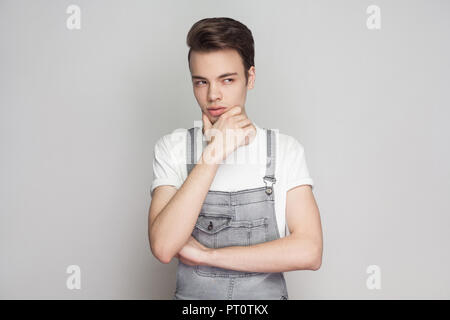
[{"x": 269, "y": 189}]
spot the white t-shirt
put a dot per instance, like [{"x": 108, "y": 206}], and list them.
[{"x": 242, "y": 169}]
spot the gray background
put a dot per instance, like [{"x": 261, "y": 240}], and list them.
[{"x": 81, "y": 111}]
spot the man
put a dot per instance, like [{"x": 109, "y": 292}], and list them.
[{"x": 226, "y": 222}]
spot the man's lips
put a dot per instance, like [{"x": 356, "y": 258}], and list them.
[{"x": 216, "y": 111}]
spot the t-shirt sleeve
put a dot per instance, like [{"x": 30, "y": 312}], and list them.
[
  {"x": 297, "y": 171},
  {"x": 164, "y": 166}
]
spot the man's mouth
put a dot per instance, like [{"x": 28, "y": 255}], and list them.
[{"x": 216, "y": 111}]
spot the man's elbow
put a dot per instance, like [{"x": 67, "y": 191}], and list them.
[
  {"x": 163, "y": 258},
  {"x": 316, "y": 264},
  {"x": 316, "y": 259},
  {"x": 159, "y": 253}
]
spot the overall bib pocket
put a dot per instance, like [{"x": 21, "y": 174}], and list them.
[{"x": 220, "y": 230}]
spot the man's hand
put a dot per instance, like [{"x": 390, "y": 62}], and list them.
[
  {"x": 193, "y": 253},
  {"x": 232, "y": 130}
]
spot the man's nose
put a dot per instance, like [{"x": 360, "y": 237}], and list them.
[{"x": 214, "y": 92}]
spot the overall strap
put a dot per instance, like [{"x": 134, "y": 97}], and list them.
[
  {"x": 191, "y": 155},
  {"x": 270, "y": 164},
  {"x": 191, "y": 150}
]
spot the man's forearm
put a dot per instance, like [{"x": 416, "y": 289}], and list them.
[
  {"x": 173, "y": 225},
  {"x": 284, "y": 254}
]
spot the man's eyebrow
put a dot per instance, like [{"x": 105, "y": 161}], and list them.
[{"x": 219, "y": 77}]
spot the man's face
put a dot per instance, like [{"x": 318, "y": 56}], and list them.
[{"x": 218, "y": 79}]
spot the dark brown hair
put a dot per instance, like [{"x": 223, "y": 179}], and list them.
[{"x": 212, "y": 34}]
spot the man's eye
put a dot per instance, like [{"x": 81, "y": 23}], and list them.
[
  {"x": 231, "y": 80},
  {"x": 198, "y": 82}
]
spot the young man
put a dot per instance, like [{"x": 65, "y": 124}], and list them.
[{"x": 225, "y": 221}]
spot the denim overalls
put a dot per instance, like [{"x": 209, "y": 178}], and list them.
[{"x": 239, "y": 218}]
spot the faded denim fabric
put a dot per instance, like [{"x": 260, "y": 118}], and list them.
[{"x": 240, "y": 218}]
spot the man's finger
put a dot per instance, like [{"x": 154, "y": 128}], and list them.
[
  {"x": 233, "y": 111},
  {"x": 206, "y": 123}
]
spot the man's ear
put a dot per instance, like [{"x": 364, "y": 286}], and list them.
[{"x": 251, "y": 77}]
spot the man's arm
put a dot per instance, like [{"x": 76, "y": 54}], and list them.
[
  {"x": 301, "y": 250},
  {"x": 173, "y": 214}
]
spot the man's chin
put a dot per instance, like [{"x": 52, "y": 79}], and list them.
[{"x": 213, "y": 119}]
